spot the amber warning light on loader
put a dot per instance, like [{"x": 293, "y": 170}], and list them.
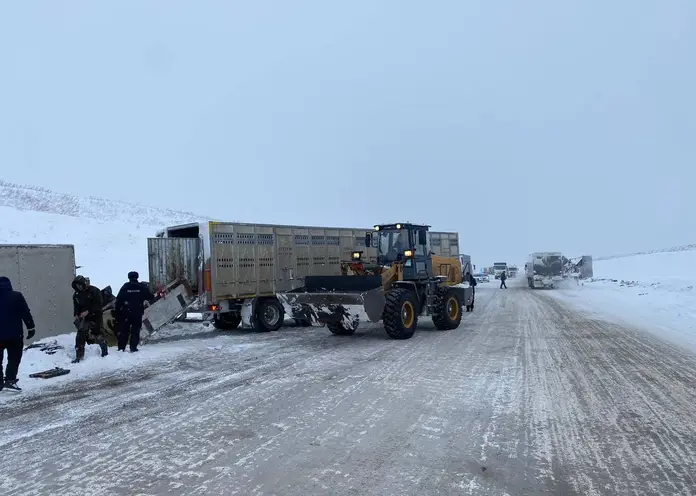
[
  {"x": 356, "y": 255},
  {"x": 408, "y": 253}
]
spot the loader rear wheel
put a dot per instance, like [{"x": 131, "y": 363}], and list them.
[
  {"x": 447, "y": 309},
  {"x": 400, "y": 317},
  {"x": 227, "y": 321},
  {"x": 270, "y": 315}
]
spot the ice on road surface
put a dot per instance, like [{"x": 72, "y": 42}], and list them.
[{"x": 527, "y": 396}]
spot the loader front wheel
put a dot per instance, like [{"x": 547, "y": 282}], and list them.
[
  {"x": 400, "y": 317},
  {"x": 447, "y": 309}
]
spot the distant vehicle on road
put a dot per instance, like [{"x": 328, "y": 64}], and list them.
[
  {"x": 544, "y": 269},
  {"x": 481, "y": 277},
  {"x": 499, "y": 268}
]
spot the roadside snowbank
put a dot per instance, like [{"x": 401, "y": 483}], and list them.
[
  {"x": 654, "y": 292},
  {"x": 168, "y": 345}
]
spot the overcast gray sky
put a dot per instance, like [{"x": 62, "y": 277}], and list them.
[{"x": 535, "y": 125}]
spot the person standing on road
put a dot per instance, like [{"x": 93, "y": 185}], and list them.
[
  {"x": 13, "y": 312},
  {"x": 130, "y": 307},
  {"x": 87, "y": 309},
  {"x": 472, "y": 283},
  {"x": 503, "y": 277}
]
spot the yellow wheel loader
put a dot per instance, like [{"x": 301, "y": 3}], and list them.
[{"x": 407, "y": 281}]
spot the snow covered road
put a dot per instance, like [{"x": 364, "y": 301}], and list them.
[{"x": 526, "y": 397}]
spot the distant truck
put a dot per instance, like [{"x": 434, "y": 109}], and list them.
[
  {"x": 512, "y": 271},
  {"x": 544, "y": 269},
  {"x": 44, "y": 274},
  {"x": 235, "y": 270},
  {"x": 499, "y": 268}
]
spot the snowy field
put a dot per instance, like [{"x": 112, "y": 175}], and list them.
[
  {"x": 654, "y": 292},
  {"x": 110, "y": 238}
]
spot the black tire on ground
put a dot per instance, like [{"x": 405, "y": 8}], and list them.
[
  {"x": 270, "y": 315},
  {"x": 343, "y": 328},
  {"x": 400, "y": 317},
  {"x": 227, "y": 321},
  {"x": 447, "y": 309}
]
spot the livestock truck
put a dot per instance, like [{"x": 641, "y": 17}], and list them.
[
  {"x": 44, "y": 274},
  {"x": 544, "y": 269},
  {"x": 236, "y": 270}
]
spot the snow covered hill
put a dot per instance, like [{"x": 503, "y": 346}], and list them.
[
  {"x": 655, "y": 292},
  {"x": 109, "y": 237},
  {"x": 32, "y": 198},
  {"x": 673, "y": 249}
]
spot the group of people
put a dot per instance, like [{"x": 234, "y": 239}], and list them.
[{"x": 87, "y": 310}]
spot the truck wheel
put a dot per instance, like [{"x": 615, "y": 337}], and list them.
[
  {"x": 344, "y": 328},
  {"x": 400, "y": 317},
  {"x": 447, "y": 309},
  {"x": 227, "y": 321},
  {"x": 269, "y": 315}
]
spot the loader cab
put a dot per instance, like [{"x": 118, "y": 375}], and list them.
[{"x": 408, "y": 244}]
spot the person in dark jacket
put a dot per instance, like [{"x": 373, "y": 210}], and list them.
[
  {"x": 130, "y": 307},
  {"x": 13, "y": 312},
  {"x": 503, "y": 277},
  {"x": 472, "y": 283},
  {"x": 87, "y": 309}
]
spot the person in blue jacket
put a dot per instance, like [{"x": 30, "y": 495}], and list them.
[
  {"x": 130, "y": 307},
  {"x": 13, "y": 312}
]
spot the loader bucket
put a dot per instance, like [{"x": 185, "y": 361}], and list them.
[{"x": 334, "y": 298}]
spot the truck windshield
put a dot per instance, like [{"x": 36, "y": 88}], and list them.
[
  {"x": 392, "y": 245},
  {"x": 500, "y": 266}
]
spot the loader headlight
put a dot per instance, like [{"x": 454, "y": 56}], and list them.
[
  {"x": 408, "y": 253},
  {"x": 398, "y": 226},
  {"x": 356, "y": 255},
  {"x": 376, "y": 228}
]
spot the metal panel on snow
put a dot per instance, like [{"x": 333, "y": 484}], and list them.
[
  {"x": 43, "y": 273},
  {"x": 170, "y": 259}
]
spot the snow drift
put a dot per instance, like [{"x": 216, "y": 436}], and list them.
[{"x": 653, "y": 292}]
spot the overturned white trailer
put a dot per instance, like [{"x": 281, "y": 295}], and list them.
[{"x": 44, "y": 274}]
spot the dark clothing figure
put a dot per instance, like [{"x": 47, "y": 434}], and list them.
[
  {"x": 130, "y": 307},
  {"x": 472, "y": 283},
  {"x": 503, "y": 277},
  {"x": 14, "y": 312},
  {"x": 87, "y": 309}
]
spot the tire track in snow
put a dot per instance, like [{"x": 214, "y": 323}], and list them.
[{"x": 545, "y": 400}]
